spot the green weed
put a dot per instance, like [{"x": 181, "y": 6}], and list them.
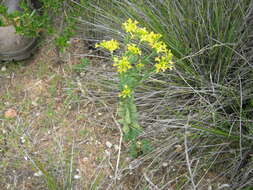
[{"x": 134, "y": 67}]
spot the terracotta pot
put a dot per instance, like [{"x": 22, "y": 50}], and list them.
[{"x": 14, "y": 47}]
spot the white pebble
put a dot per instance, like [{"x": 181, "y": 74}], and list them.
[
  {"x": 22, "y": 140},
  {"x": 224, "y": 186},
  {"x": 3, "y": 68},
  {"x": 77, "y": 176},
  {"x": 38, "y": 174},
  {"x": 108, "y": 144},
  {"x": 34, "y": 103},
  {"x": 107, "y": 153},
  {"x": 116, "y": 147}
]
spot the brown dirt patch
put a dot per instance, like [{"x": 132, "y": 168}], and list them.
[{"x": 57, "y": 128}]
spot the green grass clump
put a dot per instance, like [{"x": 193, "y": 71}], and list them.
[{"x": 206, "y": 102}]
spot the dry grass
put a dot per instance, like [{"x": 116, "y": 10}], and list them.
[{"x": 61, "y": 128}]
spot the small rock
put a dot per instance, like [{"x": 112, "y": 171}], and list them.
[
  {"x": 3, "y": 68},
  {"x": 108, "y": 144},
  {"x": 7, "y": 103},
  {"x": 116, "y": 147},
  {"x": 77, "y": 176},
  {"x": 179, "y": 148},
  {"x": 38, "y": 174},
  {"x": 165, "y": 164},
  {"x": 22, "y": 140},
  {"x": 34, "y": 103},
  {"x": 10, "y": 113},
  {"x": 107, "y": 153},
  {"x": 97, "y": 142},
  {"x": 224, "y": 186}
]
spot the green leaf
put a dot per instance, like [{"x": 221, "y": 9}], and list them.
[
  {"x": 125, "y": 128},
  {"x": 146, "y": 147},
  {"x": 137, "y": 126},
  {"x": 128, "y": 117}
]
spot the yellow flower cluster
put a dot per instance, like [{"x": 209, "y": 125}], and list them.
[
  {"x": 151, "y": 38},
  {"x": 160, "y": 47},
  {"x": 126, "y": 92},
  {"x": 122, "y": 64},
  {"x": 110, "y": 45},
  {"x": 165, "y": 59},
  {"x": 163, "y": 64},
  {"x": 130, "y": 26},
  {"x": 141, "y": 32},
  {"x": 133, "y": 49}
]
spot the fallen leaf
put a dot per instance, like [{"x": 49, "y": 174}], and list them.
[
  {"x": 179, "y": 148},
  {"x": 10, "y": 113}
]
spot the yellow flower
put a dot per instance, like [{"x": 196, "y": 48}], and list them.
[
  {"x": 126, "y": 92},
  {"x": 168, "y": 55},
  {"x": 141, "y": 31},
  {"x": 110, "y": 45},
  {"x": 122, "y": 64},
  {"x": 133, "y": 49},
  {"x": 151, "y": 38},
  {"x": 160, "y": 47},
  {"x": 164, "y": 63},
  {"x": 140, "y": 65},
  {"x": 130, "y": 26}
]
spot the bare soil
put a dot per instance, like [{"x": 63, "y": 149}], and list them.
[{"x": 59, "y": 128}]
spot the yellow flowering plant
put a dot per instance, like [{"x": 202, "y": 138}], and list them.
[
  {"x": 133, "y": 66},
  {"x": 111, "y": 45}
]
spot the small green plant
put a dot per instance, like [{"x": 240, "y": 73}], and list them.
[
  {"x": 133, "y": 66},
  {"x": 81, "y": 66}
]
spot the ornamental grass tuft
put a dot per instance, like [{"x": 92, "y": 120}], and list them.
[{"x": 197, "y": 116}]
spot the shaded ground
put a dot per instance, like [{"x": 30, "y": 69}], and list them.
[{"x": 56, "y": 125}]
